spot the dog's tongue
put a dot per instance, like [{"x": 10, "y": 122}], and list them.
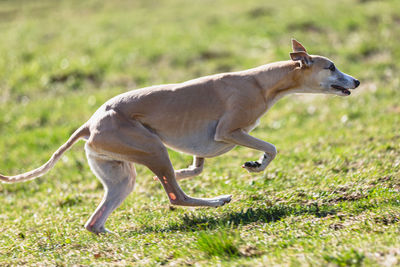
[{"x": 345, "y": 91}]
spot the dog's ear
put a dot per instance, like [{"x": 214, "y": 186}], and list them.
[
  {"x": 298, "y": 47},
  {"x": 302, "y": 56}
]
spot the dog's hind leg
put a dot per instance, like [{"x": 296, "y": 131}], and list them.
[
  {"x": 118, "y": 179},
  {"x": 130, "y": 141},
  {"x": 162, "y": 167}
]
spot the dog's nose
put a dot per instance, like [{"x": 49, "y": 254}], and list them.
[{"x": 357, "y": 83}]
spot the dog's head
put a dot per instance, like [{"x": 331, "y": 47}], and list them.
[{"x": 321, "y": 74}]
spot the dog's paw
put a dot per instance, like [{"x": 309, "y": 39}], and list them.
[
  {"x": 252, "y": 166},
  {"x": 221, "y": 200}
]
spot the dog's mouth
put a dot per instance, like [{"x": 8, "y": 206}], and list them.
[{"x": 341, "y": 89}]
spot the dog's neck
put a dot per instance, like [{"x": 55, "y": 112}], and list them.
[{"x": 279, "y": 79}]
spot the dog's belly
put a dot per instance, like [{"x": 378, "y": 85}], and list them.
[{"x": 199, "y": 141}]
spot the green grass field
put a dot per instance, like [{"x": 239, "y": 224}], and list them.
[{"x": 331, "y": 197}]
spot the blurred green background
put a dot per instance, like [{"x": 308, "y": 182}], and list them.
[{"x": 330, "y": 197}]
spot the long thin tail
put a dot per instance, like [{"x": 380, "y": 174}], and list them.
[{"x": 78, "y": 134}]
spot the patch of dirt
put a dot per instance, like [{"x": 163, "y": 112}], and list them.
[
  {"x": 346, "y": 193},
  {"x": 212, "y": 54},
  {"x": 387, "y": 182},
  {"x": 259, "y": 12},
  {"x": 250, "y": 251},
  {"x": 387, "y": 219},
  {"x": 305, "y": 26},
  {"x": 383, "y": 179},
  {"x": 348, "y": 197},
  {"x": 396, "y": 18},
  {"x": 8, "y": 15},
  {"x": 337, "y": 226},
  {"x": 366, "y": 1},
  {"x": 75, "y": 74},
  {"x": 394, "y": 109}
]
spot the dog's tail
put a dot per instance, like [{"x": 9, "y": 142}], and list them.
[{"x": 78, "y": 134}]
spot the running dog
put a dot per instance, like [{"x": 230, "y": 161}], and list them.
[{"x": 204, "y": 117}]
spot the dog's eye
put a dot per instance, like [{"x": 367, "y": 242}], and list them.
[{"x": 332, "y": 67}]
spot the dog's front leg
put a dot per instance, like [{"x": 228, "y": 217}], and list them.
[
  {"x": 241, "y": 138},
  {"x": 259, "y": 165},
  {"x": 195, "y": 169}
]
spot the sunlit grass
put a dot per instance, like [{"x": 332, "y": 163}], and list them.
[{"x": 330, "y": 197}]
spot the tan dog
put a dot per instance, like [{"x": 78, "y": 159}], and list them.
[{"x": 205, "y": 117}]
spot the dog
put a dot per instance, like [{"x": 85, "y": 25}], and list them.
[{"x": 204, "y": 117}]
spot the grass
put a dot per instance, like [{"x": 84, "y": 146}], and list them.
[
  {"x": 331, "y": 197},
  {"x": 220, "y": 244}
]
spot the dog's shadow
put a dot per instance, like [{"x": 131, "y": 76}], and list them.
[{"x": 193, "y": 222}]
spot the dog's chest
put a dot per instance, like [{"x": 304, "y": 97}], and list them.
[
  {"x": 199, "y": 141},
  {"x": 252, "y": 126}
]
